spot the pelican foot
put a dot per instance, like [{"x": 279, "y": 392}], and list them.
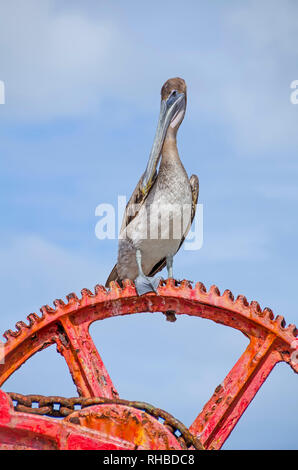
[{"x": 146, "y": 284}]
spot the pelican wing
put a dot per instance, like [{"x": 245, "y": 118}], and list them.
[
  {"x": 136, "y": 201},
  {"x": 194, "y": 184},
  {"x": 132, "y": 209}
]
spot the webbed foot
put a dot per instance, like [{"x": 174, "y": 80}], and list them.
[{"x": 146, "y": 284}]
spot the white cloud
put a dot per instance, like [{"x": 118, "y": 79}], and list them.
[
  {"x": 53, "y": 63},
  {"x": 250, "y": 73},
  {"x": 66, "y": 62}
]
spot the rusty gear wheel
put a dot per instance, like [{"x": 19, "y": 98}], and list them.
[{"x": 67, "y": 326}]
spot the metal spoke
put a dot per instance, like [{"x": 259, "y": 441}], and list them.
[
  {"x": 230, "y": 399},
  {"x": 85, "y": 364}
]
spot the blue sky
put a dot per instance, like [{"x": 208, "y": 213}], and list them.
[{"x": 82, "y": 86}]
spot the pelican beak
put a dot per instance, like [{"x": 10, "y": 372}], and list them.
[{"x": 169, "y": 109}]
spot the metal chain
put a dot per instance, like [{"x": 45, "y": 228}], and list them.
[{"x": 59, "y": 407}]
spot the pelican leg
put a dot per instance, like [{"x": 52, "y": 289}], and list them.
[
  {"x": 170, "y": 266},
  {"x": 144, "y": 283}
]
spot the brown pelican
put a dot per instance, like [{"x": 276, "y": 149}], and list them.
[{"x": 162, "y": 203}]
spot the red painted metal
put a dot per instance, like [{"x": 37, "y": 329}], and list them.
[
  {"x": 68, "y": 324},
  {"x": 97, "y": 427}
]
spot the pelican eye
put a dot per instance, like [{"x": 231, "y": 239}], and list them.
[{"x": 172, "y": 97}]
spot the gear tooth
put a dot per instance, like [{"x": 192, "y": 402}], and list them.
[
  {"x": 228, "y": 295},
  {"x": 32, "y": 319},
  {"x": 86, "y": 293},
  {"x": 45, "y": 309},
  {"x": 9, "y": 334},
  {"x": 59, "y": 304},
  {"x": 114, "y": 288},
  {"x": 280, "y": 321},
  {"x": 127, "y": 283},
  {"x": 185, "y": 284},
  {"x": 200, "y": 287},
  {"x": 72, "y": 297},
  {"x": 20, "y": 325},
  {"x": 12, "y": 334},
  {"x": 292, "y": 329},
  {"x": 99, "y": 289},
  {"x": 214, "y": 290},
  {"x": 242, "y": 300},
  {"x": 114, "y": 291},
  {"x": 170, "y": 282},
  {"x": 255, "y": 307},
  {"x": 101, "y": 293},
  {"x": 129, "y": 287},
  {"x": 267, "y": 312}
]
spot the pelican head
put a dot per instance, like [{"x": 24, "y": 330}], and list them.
[
  {"x": 172, "y": 110},
  {"x": 173, "y": 94}
]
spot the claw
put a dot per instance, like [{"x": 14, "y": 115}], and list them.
[{"x": 146, "y": 284}]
